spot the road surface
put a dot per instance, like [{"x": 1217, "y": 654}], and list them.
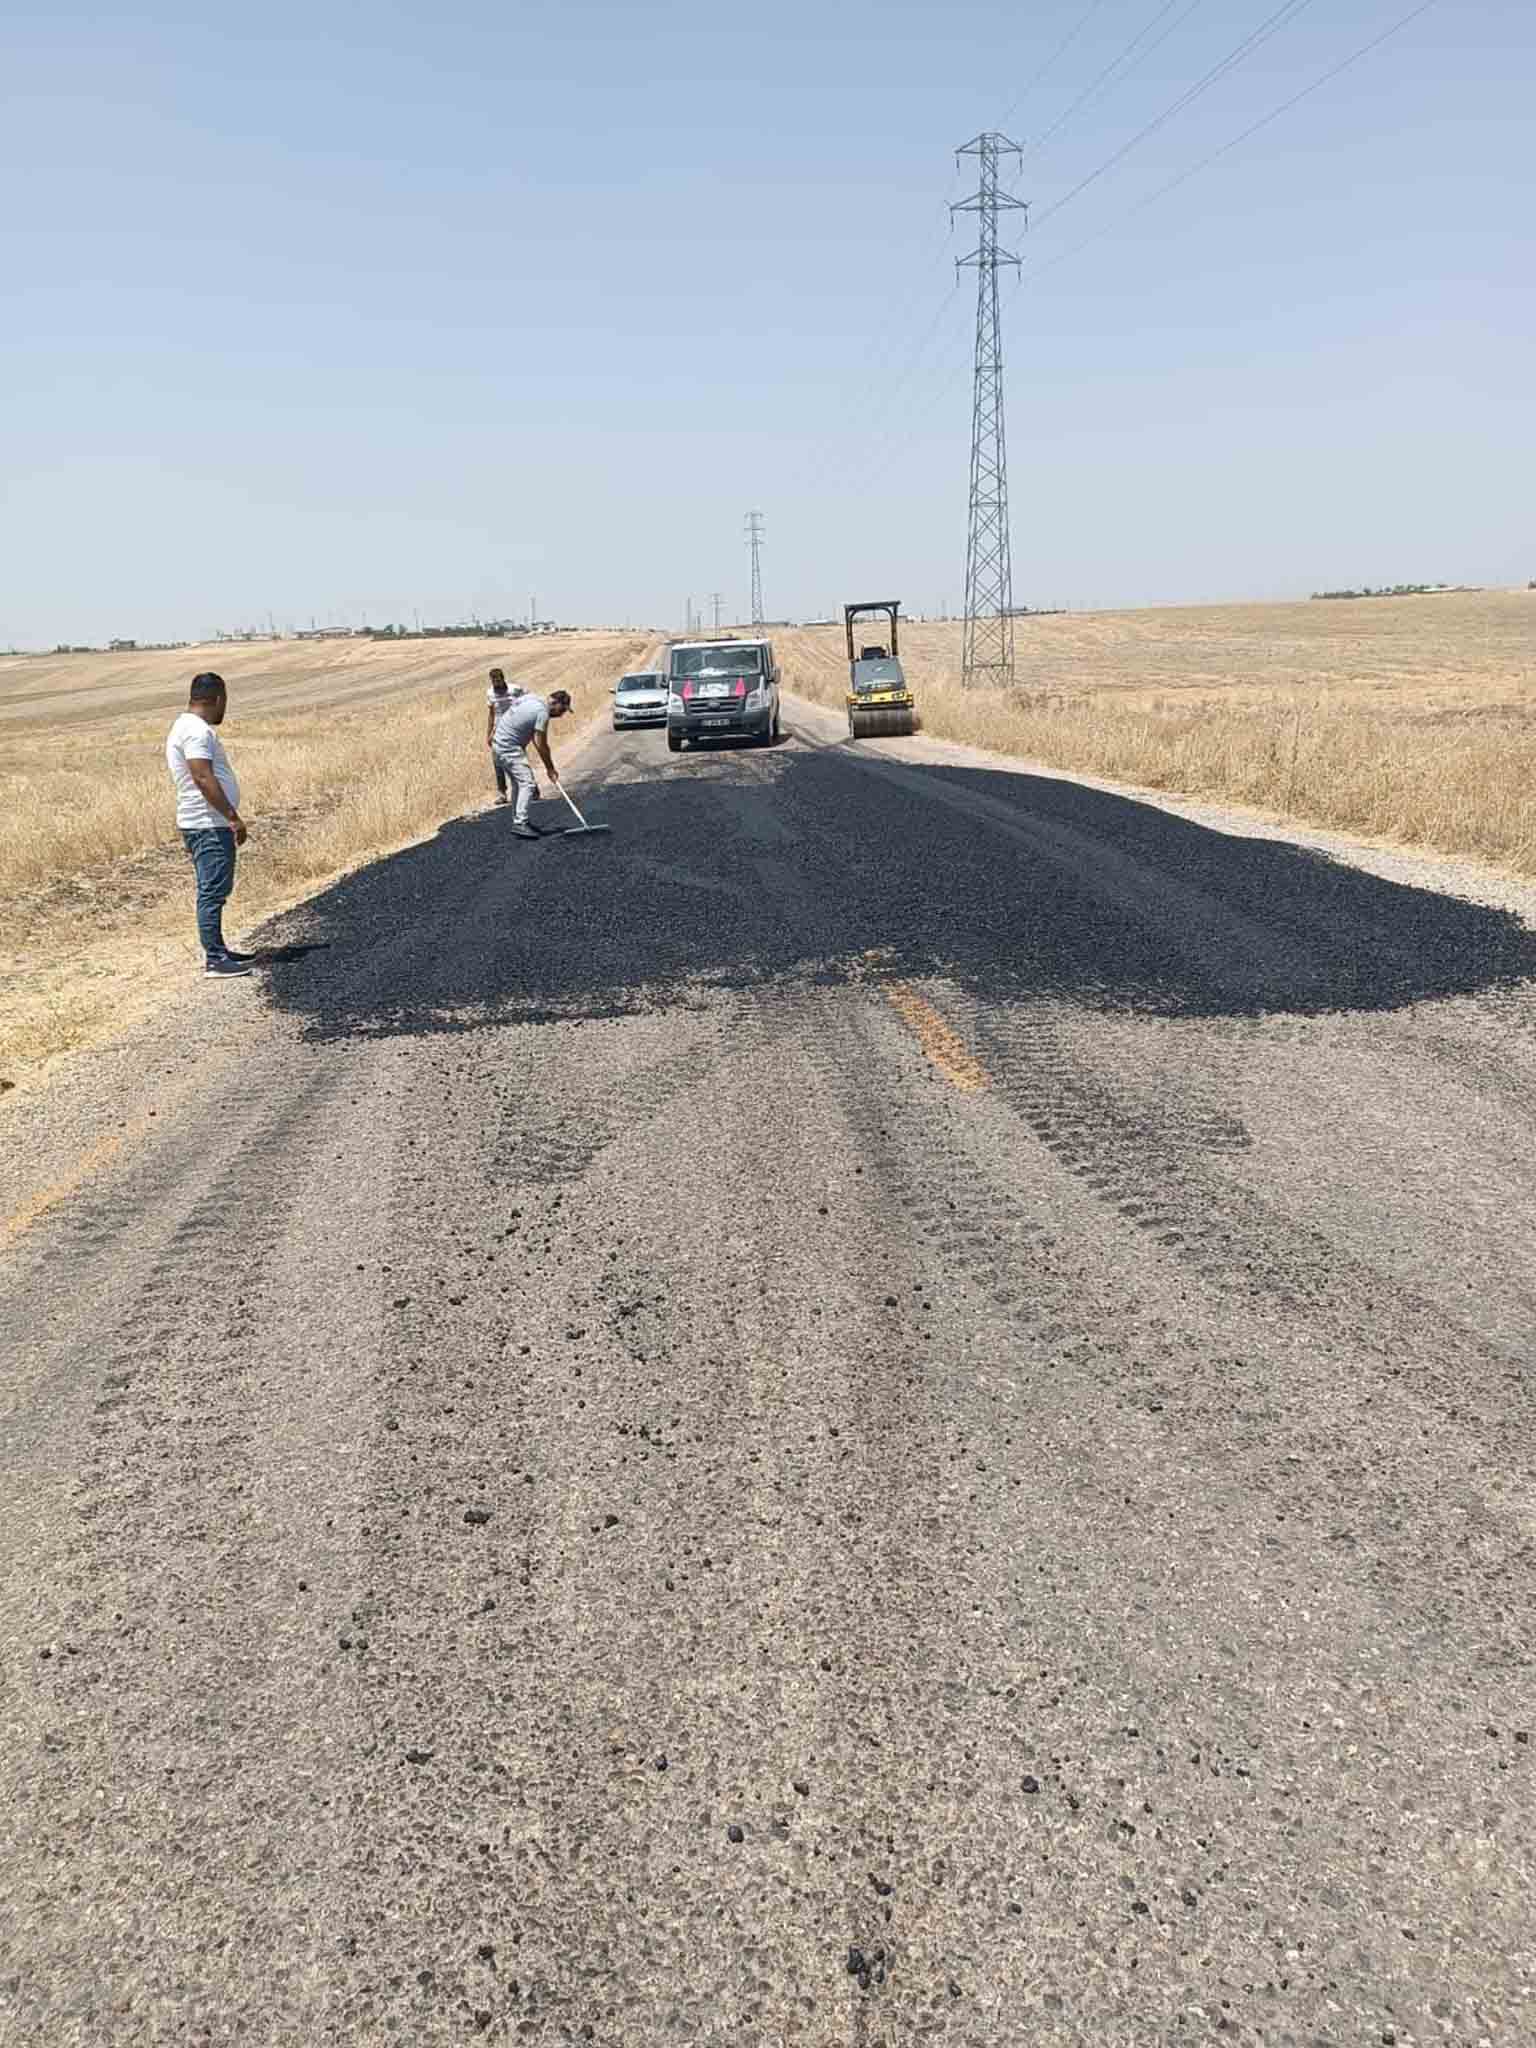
[{"x": 893, "y": 1406}]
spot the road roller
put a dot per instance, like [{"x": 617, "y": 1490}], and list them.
[{"x": 880, "y": 705}]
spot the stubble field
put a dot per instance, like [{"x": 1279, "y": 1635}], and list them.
[
  {"x": 1411, "y": 720},
  {"x": 344, "y": 749}
]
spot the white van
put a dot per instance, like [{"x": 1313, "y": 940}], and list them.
[{"x": 720, "y": 688}]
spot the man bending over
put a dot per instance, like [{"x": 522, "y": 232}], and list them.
[{"x": 526, "y": 721}]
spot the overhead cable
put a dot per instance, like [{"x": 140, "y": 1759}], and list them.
[
  {"x": 1124, "y": 57},
  {"x": 1049, "y": 65},
  {"x": 1204, "y": 163},
  {"x": 1281, "y": 18}
]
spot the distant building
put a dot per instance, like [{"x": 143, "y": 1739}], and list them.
[
  {"x": 326, "y": 633},
  {"x": 122, "y": 646}
]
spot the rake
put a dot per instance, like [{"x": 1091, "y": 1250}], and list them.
[{"x": 581, "y": 829}]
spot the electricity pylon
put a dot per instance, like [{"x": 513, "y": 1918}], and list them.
[
  {"x": 755, "y": 543},
  {"x": 988, "y": 553}
]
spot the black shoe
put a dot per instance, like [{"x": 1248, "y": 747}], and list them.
[
  {"x": 527, "y": 831},
  {"x": 223, "y": 970},
  {"x": 231, "y": 954}
]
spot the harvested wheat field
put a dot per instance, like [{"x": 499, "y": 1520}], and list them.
[
  {"x": 1406, "y": 719},
  {"x": 344, "y": 749}
]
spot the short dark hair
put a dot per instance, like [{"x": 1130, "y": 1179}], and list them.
[
  {"x": 205, "y": 687},
  {"x": 560, "y": 700},
  {"x": 498, "y": 676}
]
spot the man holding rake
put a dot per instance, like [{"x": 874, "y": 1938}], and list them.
[{"x": 525, "y": 721}]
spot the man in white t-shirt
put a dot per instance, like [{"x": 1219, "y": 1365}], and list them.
[
  {"x": 207, "y": 811},
  {"x": 521, "y": 724},
  {"x": 497, "y": 698}
]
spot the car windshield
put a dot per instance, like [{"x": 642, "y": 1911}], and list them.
[
  {"x": 630, "y": 683},
  {"x": 717, "y": 661}
]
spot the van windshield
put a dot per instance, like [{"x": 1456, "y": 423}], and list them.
[{"x": 717, "y": 661}]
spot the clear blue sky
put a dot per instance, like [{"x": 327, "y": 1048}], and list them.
[{"x": 322, "y": 309}]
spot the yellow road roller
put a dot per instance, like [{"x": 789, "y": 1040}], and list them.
[{"x": 880, "y": 706}]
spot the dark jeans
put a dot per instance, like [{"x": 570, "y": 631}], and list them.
[
  {"x": 213, "y": 861},
  {"x": 501, "y": 774}
]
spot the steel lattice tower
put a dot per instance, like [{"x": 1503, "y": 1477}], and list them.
[
  {"x": 755, "y": 543},
  {"x": 988, "y": 553}
]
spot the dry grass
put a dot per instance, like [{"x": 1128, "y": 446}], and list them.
[
  {"x": 1408, "y": 719},
  {"x": 1411, "y": 720},
  {"x": 343, "y": 750}
]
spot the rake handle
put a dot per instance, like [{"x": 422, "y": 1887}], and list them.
[{"x": 572, "y": 802}]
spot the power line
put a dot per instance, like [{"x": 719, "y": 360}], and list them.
[
  {"x": 1060, "y": 50},
  {"x": 1215, "y": 155},
  {"x": 873, "y": 394},
  {"x": 915, "y": 420},
  {"x": 1114, "y": 65},
  {"x": 890, "y": 447},
  {"x": 1270, "y": 26},
  {"x": 883, "y": 346},
  {"x": 875, "y": 420},
  {"x": 862, "y": 477},
  {"x": 879, "y": 406},
  {"x": 919, "y": 415}
]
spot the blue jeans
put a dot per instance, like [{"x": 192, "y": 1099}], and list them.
[{"x": 213, "y": 862}]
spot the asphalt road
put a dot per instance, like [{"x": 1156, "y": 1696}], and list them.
[{"x": 892, "y": 1406}]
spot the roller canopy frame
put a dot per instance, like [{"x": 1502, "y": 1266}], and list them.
[{"x": 888, "y": 606}]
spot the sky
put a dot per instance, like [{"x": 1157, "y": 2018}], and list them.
[{"x": 342, "y": 312}]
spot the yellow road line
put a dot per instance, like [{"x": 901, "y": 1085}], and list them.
[
  {"x": 36, "y": 1206},
  {"x": 943, "y": 1046}
]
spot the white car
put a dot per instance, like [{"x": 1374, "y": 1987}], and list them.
[{"x": 640, "y": 699}]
